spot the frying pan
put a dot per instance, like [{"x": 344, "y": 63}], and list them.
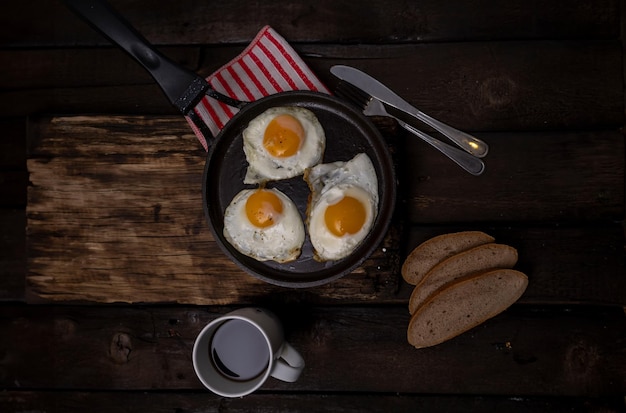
[{"x": 348, "y": 132}]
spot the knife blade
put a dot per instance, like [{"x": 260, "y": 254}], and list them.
[{"x": 375, "y": 88}]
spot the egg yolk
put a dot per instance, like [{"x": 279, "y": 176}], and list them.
[
  {"x": 263, "y": 208},
  {"x": 283, "y": 136},
  {"x": 345, "y": 217}
]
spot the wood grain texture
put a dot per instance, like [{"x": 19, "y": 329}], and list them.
[
  {"x": 565, "y": 263},
  {"x": 41, "y": 23},
  {"x": 12, "y": 254},
  {"x": 13, "y": 144},
  {"x": 547, "y": 177},
  {"x": 69, "y": 67},
  {"x": 143, "y": 348},
  {"x": 487, "y": 86},
  {"x": 115, "y": 215},
  {"x": 199, "y": 401},
  {"x": 496, "y": 86},
  {"x": 13, "y": 175},
  {"x": 13, "y": 182}
]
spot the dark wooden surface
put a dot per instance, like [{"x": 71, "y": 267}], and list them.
[{"x": 89, "y": 324}]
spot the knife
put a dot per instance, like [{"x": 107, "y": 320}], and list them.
[{"x": 381, "y": 92}]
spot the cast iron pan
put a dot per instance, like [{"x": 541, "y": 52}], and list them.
[{"x": 348, "y": 132}]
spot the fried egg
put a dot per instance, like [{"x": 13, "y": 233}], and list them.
[
  {"x": 281, "y": 143},
  {"x": 343, "y": 206},
  {"x": 264, "y": 224}
]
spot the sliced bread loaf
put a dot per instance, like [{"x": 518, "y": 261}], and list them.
[
  {"x": 429, "y": 253},
  {"x": 474, "y": 260},
  {"x": 464, "y": 304}
]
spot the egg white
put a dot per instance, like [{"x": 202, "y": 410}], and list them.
[
  {"x": 264, "y": 167},
  {"x": 280, "y": 242},
  {"x": 329, "y": 183}
]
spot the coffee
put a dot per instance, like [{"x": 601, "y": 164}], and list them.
[
  {"x": 239, "y": 350},
  {"x": 236, "y": 353}
]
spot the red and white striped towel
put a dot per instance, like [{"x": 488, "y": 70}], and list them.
[{"x": 268, "y": 65}]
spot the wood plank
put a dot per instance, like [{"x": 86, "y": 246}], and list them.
[
  {"x": 13, "y": 186},
  {"x": 71, "y": 67},
  {"x": 12, "y": 254},
  {"x": 496, "y": 86},
  {"x": 182, "y": 402},
  {"x": 13, "y": 183},
  {"x": 588, "y": 163},
  {"x": 145, "y": 99},
  {"x": 90, "y": 224},
  {"x": 556, "y": 176},
  {"x": 13, "y": 144},
  {"x": 36, "y": 23},
  {"x": 580, "y": 354},
  {"x": 104, "y": 212},
  {"x": 565, "y": 263},
  {"x": 523, "y": 86},
  {"x": 551, "y": 72},
  {"x": 13, "y": 175}
]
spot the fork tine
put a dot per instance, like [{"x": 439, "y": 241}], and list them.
[
  {"x": 343, "y": 91},
  {"x": 352, "y": 94}
]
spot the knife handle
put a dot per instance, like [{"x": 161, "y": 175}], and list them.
[
  {"x": 465, "y": 160},
  {"x": 466, "y": 141},
  {"x": 181, "y": 86}
]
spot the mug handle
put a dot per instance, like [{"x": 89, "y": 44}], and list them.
[{"x": 289, "y": 365}]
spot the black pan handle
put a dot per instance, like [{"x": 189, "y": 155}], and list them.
[{"x": 183, "y": 88}]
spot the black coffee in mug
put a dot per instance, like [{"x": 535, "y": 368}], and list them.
[{"x": 239, "y": 350}]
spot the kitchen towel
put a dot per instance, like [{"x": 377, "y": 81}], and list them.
[{"x": 268, "y": 65}]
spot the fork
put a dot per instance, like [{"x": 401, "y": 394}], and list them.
[{"x": 374, "y": 107}]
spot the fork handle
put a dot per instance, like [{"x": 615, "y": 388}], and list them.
[
  {"x": 465, "y": 160},
  {"x": 464, "y": 140}
]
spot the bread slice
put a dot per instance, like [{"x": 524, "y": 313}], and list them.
[
  {"x": 464, "y": 304},
  {"x": 474, "y": 260},
  {"x": 429, "y": 253}
]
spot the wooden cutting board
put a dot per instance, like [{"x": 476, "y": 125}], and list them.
[{"x": 115, "y": 215}]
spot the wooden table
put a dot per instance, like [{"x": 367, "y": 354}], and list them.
[{"x": 108, "y": 269}]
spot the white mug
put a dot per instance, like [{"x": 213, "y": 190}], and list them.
[{"x": 236, "y": 353}]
